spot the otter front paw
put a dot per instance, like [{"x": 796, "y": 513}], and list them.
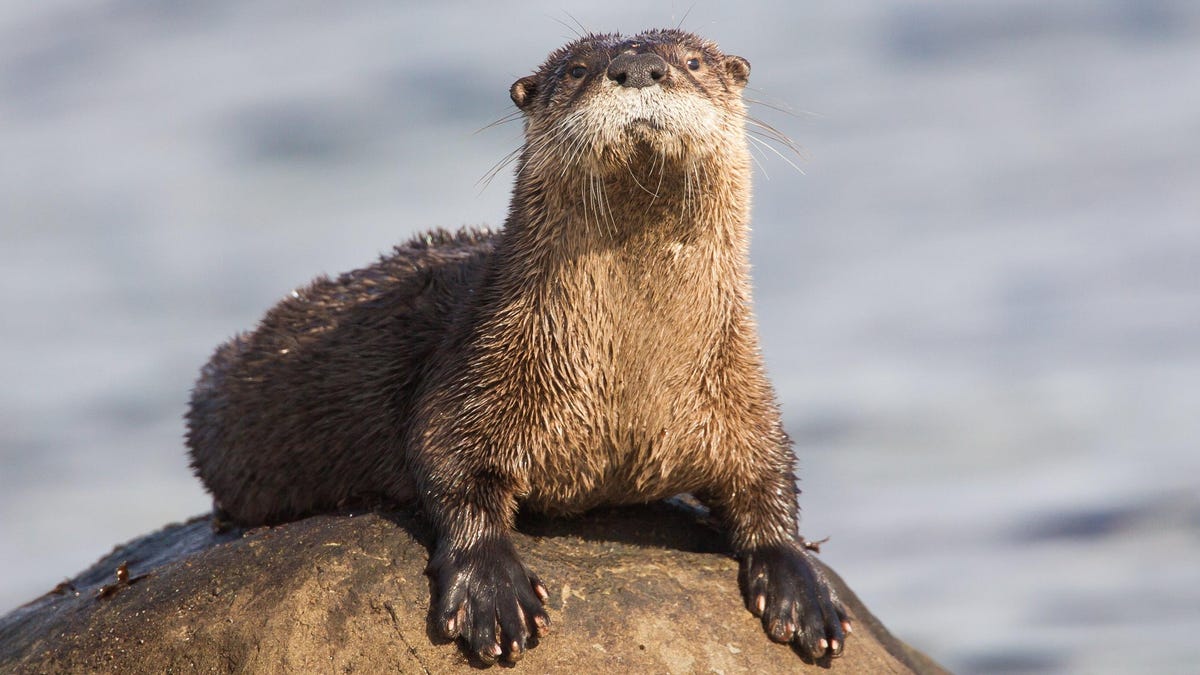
[
  {"x": 488, "y": 598},
  {"x": 795, "y": 602}
]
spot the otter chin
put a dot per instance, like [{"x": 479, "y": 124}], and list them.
[
  {"x": 644, "y": 126},
  {"x": 599, "y": 349}
]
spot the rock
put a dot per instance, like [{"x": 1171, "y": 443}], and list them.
[{"x": 644, "y": 589}]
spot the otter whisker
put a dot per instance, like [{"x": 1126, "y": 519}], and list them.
[
  {"x": 654, "y": 195},
  {"x": 588, "y": 186},
  {"x": 595, "y": 200},
  {"x": 777, "y": 105},
  {"x": 662, "y": 172},
  {"x": 587, "y": 204},
  {"x": 702, "y": 179},
  {"x": 686, "y": 14},
  {"x": 504, "y": 119},
  {"x": 583, "y": 29},
  {"x": 612, "y": 222},
  {"x": 763, "y": 144},
  {"x": 697, "y": 192},
  {"x": 575, "y": 150},
  {"x": 564, "y": 134},
  {"x": 755, "y": 151},
  {"x": 598, "y": 197},
  {"x": 566, "y": 25},
  {"x": 685, "y": 203},
  {"x": 499, "y": 166},
  {"x": 767, "y": 131},
  {"x": 581, "y": 142}
]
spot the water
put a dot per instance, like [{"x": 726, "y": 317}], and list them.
[{"x": 980, "y": 303}]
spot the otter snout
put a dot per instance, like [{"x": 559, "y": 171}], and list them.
[{"x": 637, "y": 70}]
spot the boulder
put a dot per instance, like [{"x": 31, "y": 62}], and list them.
[{"x": 639, "y": 589}]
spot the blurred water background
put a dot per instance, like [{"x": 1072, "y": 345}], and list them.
[{"x": 980, "y": 303}]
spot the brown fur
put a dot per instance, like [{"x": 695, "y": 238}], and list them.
[{"x": 600, "y": 349}]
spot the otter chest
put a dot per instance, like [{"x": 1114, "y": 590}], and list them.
[{"x": 632, "y": 418}]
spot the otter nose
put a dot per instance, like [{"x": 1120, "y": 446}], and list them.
[{"x": 637, "y": 70}]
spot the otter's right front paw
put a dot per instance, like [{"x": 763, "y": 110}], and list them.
[{"x": 487, "y": 597}]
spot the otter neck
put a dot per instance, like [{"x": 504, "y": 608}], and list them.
[
  {"x": 625, "y": 270},
  {"x": 633, "y": 211}
]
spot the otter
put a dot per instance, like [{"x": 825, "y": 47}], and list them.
[{"x": 599, "y": 349}]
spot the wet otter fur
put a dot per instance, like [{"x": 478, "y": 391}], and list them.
[{"x": 600, "y": 349}]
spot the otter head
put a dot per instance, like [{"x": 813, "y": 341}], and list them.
[{"x": 606, "y": 101}]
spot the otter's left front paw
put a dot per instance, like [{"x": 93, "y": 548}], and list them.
[
  {"x": 487, "y": 597},
  {"x": 795, "y": 602}
]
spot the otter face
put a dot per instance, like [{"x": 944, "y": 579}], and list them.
[{"x": 602, "y": 99}]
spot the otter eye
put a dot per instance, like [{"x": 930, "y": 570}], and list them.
[
  {"x": 578, "y": 72},
  {"x": 693, "y": 64}
]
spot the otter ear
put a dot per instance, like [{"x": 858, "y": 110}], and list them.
[
  {"x": 738, "y": 69},
  {"x": 523, "y": 91}
]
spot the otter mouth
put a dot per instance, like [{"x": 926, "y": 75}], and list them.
[{"x": 645, "y": 131}]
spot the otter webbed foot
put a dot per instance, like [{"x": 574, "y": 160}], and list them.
[
  {"x": 487, "y": 597},
  {"x": 795, "y": 602}
]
